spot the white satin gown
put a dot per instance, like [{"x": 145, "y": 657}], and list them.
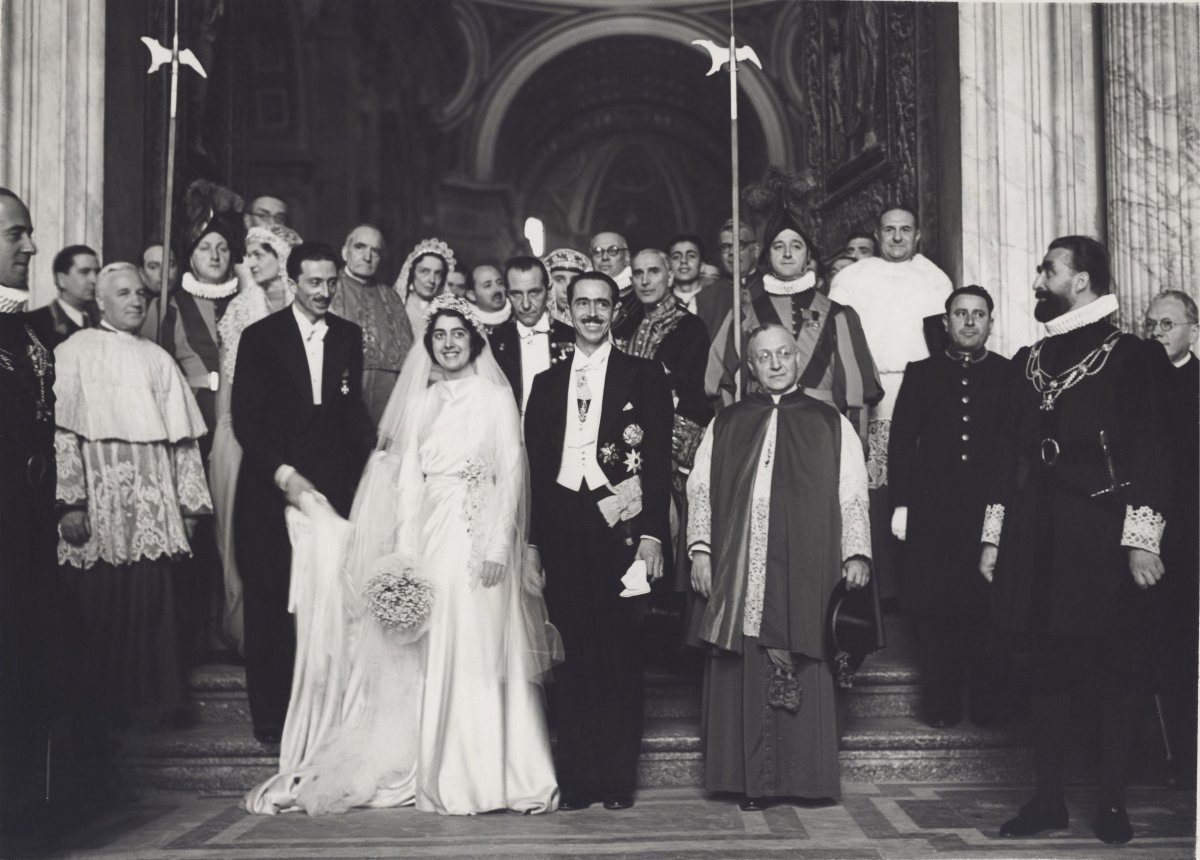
[{"x": 453, "y": 723}]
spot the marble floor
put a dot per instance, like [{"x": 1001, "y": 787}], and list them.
[{"x": 873, "y": 821}]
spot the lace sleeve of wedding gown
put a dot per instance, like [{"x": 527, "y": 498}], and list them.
[
  {"x": 699, "y": 525},
  {"x": 852, "y": 495},
  {"x": 508, "y": 458}
]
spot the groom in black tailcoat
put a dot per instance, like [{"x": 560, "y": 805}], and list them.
[
  {"x": 595, "y": 427},
  {"x": 299, "y": 416}
]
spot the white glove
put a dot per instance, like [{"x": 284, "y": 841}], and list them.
[{"x": 900, "y": 523}]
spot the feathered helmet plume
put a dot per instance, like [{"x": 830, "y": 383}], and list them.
[
  {"x": 211, "y": 208},
  {"x": 783, "y": 200}
]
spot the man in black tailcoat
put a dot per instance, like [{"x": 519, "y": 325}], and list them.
[
  {"x": 944, "y": 437},
  {"x": 1073, "y": 525},
  {"x": 529, "y": 341},
  {"x": 299, "y": 416},
  {"x": 598, "y": 433},
  {"x": 28, "y": 533}
]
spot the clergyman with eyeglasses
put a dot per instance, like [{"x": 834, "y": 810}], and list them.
[
  {"x": 610, "y": 254},
  {"x": 1172, "y": 321},
  {"x": 1073, "y": 527},
  {"x": 779, "y": 516}
]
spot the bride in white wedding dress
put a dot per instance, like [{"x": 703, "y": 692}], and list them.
[{"x": 451, "y": 721}]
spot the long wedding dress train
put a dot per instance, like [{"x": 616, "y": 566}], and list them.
[{"x": 452, "y": 722}]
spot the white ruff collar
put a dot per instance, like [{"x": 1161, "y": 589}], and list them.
[
  {"x": 1086, "y": 315},
  {"x": 776, "y": 287},
  {"x": 209, "y": 291},
  {"x": 12, "y": 300},
  {"x": 494, "y": 318}
]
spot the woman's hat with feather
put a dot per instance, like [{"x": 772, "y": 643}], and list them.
[
  {"x": 783, "y": 200},
  {"x": 211, "y": 208}
]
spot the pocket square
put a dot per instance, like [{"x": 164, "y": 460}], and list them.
[{"x": 627, "y": 407}]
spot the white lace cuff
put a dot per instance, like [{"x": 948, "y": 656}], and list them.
[
  {"x": 856, "y": 527},
  {"x": 993, "y": 523},
  {"x": 1143, "y": 528},
  {"x": 699, "y": 514}
]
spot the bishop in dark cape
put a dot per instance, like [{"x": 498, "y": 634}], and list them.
[
  {"x": 779, "y": 516},
  {"x": 1073, "y": 526}
]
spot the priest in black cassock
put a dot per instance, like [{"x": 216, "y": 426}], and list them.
[
  {"x": 1073, "y": 527},
  {"x": 27, "y": 527},
  {"x": 779, "y": 515},
  {"x": 1172, "y": 320},
  {"x": 945, "y": 432}
]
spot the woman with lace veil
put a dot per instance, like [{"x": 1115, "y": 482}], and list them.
[
  {"x": 446, "y": 715},
  {"x": 267, "y": 250}
]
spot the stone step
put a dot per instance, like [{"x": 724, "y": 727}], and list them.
[
  {"x": 882, "y": 688},
  {"x": 226, "y": 757}
]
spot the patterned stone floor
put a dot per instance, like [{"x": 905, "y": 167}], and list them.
[{"x": 873, "y": 821}]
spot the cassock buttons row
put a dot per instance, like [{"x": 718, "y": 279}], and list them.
[{"x": 966, "y": 399}]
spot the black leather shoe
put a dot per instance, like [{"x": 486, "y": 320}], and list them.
[
  {"x": 618, "y": 801},
  {"x": 571, "y": 801},
  {"x": 753, "y": 804},
  {"x": 267, "y": 734},
  {"x": 1033, "y": 818},
  {"x": 1112, "y": 825}
]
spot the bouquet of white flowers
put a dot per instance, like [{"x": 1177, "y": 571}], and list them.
[{"x": 399, "y": 599}]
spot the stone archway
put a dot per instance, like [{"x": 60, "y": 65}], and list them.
[{"x": 539, "y": 47}]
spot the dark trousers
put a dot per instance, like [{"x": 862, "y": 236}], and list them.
[
  {"x": 264, "y": 557},
  {"x": 599, "y": 689},
  {"x": 1063, "y": 668},
  {"x": 958, "y": 654}
]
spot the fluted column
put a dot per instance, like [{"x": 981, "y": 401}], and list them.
[
  {"x": 52, "y": 123},
  {"x": 1152, "y": 143},
  {"x": 1031, "y": 147}
]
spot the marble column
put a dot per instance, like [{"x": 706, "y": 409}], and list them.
[
  {"x": 1031, "y": 141},
  {"x": 52, "y": 123},
  {"x": 1152, "y": 143}
]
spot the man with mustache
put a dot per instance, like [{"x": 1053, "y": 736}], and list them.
[
  {"x": 598, "y": 436},
  {"x": 1073, "y": 525},
  {"x": 299, "y": 416}
]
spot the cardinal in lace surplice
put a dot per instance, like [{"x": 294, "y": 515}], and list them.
[
  {"x": 129, "y": 479},
  {"x": 779, "y": 514}
]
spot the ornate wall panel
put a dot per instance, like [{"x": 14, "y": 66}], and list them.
[{"x": 861, "y": 76}]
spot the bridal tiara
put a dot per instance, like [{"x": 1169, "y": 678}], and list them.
[{"x": 451, "y": 302}]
